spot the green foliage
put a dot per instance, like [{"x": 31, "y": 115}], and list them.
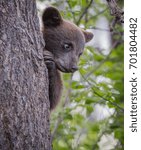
[{"x": 77, "y": 124}]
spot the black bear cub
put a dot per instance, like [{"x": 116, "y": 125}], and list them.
[{"x": 64, "y": 44}]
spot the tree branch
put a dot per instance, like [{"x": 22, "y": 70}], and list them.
[{"x": 116, "y": 11}]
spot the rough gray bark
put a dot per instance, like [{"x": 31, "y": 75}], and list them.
[{"x": 24, "y": 103}]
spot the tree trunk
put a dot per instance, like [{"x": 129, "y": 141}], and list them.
[{"x": 24, "y": 102}]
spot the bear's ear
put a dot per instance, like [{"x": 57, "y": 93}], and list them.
[
  {"x": 88, "y": 35},
  {"x": 51, "y": 17}
]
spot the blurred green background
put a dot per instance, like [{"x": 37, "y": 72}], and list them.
[{"x": 90, "y": 115}]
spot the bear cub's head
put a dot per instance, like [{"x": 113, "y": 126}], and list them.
[{"x": 64, "y": 39}]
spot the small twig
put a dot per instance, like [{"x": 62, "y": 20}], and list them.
[
  {"x": 84, "y": 12},
  {"x": 105, "y": 99},
  {"x": 67, "y": 99},
  {"x": 100, "y": 136},
  {"x": 70, "y": 9},
  {"x": 99, "y": 13},
  {"x": 101, "y": 29},
  {"x": 107, "y": 57},
  {"x": 60, "y": 118},
  {"x": 86, "y": 16}
]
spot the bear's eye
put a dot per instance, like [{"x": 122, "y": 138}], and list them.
[{"x": 67, "y": 46}]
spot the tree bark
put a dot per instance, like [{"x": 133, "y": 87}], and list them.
[{"x": 24, "y": 101}]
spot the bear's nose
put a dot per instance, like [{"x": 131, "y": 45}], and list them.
[{"x": 74, "y": 68}]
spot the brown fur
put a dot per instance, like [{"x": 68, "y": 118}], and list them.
[{"x": 66, "y": 42}]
